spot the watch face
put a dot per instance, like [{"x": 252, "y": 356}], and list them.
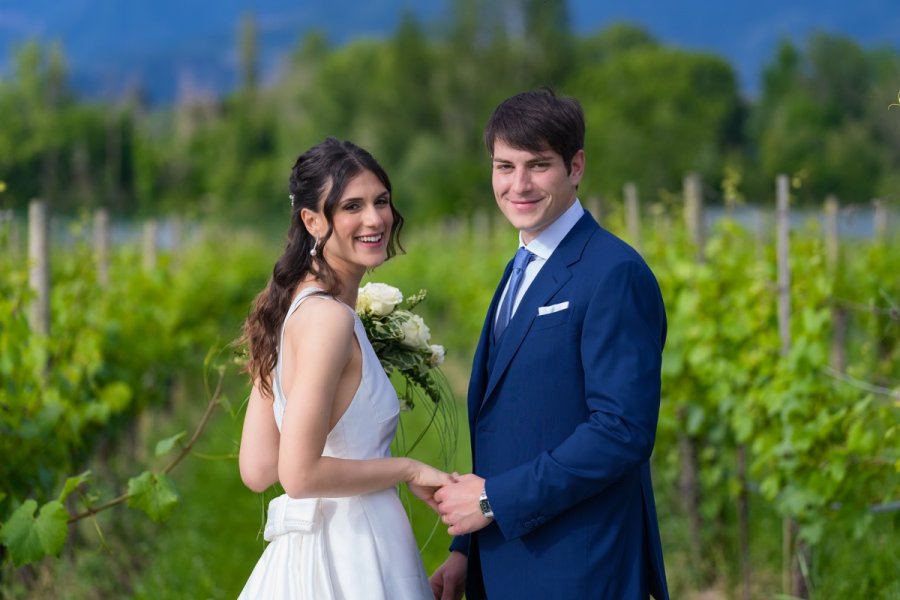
[{"x": 485, "y": 507}]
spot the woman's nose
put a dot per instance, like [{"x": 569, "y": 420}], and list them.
[{"x": 372, "y": 216}]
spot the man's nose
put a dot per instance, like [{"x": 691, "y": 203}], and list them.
[{"x": 521, "y": 180}]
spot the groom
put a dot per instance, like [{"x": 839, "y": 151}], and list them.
[{"x": 565, "y": 390}]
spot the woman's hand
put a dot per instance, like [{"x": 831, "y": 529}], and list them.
[{"x": 424, "y": 480}]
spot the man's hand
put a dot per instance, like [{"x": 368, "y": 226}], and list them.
[
  {"x": 459, "y": 506},
  {"x": 449, "y": 581}
]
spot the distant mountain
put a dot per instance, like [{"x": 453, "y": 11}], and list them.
[{"x": 110, "y": 44}]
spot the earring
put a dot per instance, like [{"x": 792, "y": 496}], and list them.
[{"x": 313, "y": 252}]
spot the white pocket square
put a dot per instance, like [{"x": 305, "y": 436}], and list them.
[{"x": 546, "y": 310}]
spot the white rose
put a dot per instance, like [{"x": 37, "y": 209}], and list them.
[
  {"x": 415, "y": 331},
  {"x": 437, "y": 355},
  {"x": 378, "y": 299}
]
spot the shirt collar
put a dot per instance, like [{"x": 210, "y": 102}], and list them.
[{"x": 545, "y": 243}]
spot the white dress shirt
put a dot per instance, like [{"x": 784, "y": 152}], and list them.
[{"x": 542, "y": 247}]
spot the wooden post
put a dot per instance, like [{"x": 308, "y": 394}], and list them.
[
  {"x": 879, "y": 220},
  {"x": 782, "y": 241},
  {"x": 595, "y": 207},
  {"x": 792, "y": 581},
  {"x": 101, "y": 246},
  {"x": 633, "y": 215},
  {"x": 838, "y": 313},
  {"x": 176, "y": 226},
  {"x": 831, "y": 232},
  {"x": 150, "y": 244},
  {"x": 39, "y": 266},
  {"x": 693, "y": 213},
  {"x": 743, "y": 512},
  {"x": 689, "y": 476}
]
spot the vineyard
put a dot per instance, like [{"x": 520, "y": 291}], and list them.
[{"x": 777, "y": 460}]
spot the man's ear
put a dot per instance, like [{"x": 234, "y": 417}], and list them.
[
  {"x": 310, "y": 220},
  {"x": 576, "y": 172}
]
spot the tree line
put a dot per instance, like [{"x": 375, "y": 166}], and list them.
[{"x": 418, "y": 100}]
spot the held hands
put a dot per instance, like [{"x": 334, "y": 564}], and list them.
[
  {"x": 458, "y": 504},
  {"x": 423, "y": 481}
]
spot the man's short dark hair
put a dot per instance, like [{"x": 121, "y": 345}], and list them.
[{"x": 537, "y": 120}]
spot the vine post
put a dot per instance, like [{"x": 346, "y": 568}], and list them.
[
  {"x": 832, "y": 247},
  {"x": 689, "y": 479},
  {"x": 693, "y": 213},
  {"x": 595, "y": 207},
  {"x": 633, "y": 214},
  {"x": 39, "y": 266},
  {"x": 101, "y": 246},
  {"x": 879, "y": 220},
  {"x": 792, "y": 581},
  {"x": 176, "y": 227},
  {"x": 149, "y": 244},
  {"x": 838, "y": 313}
]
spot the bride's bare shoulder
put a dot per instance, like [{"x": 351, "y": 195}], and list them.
[{"x": 320, "y": 319}]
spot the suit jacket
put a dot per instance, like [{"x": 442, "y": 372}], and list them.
[{"x": 563, "y": 414}]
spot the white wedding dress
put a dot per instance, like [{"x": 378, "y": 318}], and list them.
[{"x": 359, "y": 547}]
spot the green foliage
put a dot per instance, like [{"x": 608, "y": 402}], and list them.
[
  {"x": 821, "y": 449},
  {"x": 112, "y": 354},
  {"x": 817, "y": 115},
  {"x": 152, "y": 493},
  {"x": 166, "y": 445},
  {"x": 670, "y": 107},
  {"x": 31, "y": 537}
]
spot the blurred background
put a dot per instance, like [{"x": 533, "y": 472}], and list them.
[{"x": 144, "y": 155}]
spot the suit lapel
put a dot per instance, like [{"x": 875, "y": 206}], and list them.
[{"x": 552, "y": 276}]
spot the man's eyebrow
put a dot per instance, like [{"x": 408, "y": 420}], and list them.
[{"x": 532, "y": 160}]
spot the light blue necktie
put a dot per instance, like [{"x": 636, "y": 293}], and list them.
[{"x": 504, "y": 313}]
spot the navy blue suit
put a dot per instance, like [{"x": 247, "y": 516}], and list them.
[{"x": 563, "y": 412}]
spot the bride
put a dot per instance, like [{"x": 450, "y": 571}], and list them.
[{"x": 322, "y": 412}]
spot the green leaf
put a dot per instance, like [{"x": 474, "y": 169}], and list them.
[
  {"x": 165, "y": 446},
  {"x": 72, "y": 483},
  {"x": 30, "y": 539},
  {"x": 153, "y": 494}
]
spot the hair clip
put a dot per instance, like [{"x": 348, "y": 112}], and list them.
[{"x": 291, "y": 196}]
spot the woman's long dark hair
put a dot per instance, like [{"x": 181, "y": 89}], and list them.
[{"x": 330, "y": 163}]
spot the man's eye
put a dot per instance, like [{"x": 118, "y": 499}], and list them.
[
  {"x": 541, "y": 166},
  {"x": 504, "y": 167}
]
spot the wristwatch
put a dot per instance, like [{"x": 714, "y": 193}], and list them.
[{"x": 485, "y": 505}]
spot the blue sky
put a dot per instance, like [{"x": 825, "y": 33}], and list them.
[{"x": 108, "y": 41}]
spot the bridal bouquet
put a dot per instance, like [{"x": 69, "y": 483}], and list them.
[{"x": 402, "y": 340}]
